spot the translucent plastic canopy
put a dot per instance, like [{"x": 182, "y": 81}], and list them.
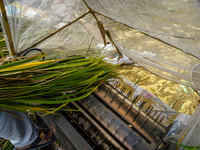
[{"x": 163, "y": 36}]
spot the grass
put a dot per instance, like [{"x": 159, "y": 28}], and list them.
[
  {"x": 188, "y": 147},
  {"x": 27, "y": 85},
  {"x": 3, "y": 49},
  {"x": 5, "y": 145}
]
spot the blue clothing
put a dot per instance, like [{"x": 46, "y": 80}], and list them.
[{"x": 21, "y": 131}]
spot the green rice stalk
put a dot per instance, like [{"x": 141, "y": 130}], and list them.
[
  {"x": 30, "y": 85},
  {"x": 188, "y": 147},
  {"x": 175, "y": 100}
]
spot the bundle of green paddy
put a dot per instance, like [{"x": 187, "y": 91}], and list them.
[
  {"x": 3, "y": 49},
  {"x": 29, "y": 85}
]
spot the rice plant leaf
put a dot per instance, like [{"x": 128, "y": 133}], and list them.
[
  {"x": 35, "y": 57},
  {"x": 25, "y": 66},
  {"x": 60, "y": 107},
  {"x": 176, "y": 100},
  {"x": 67, "y": 66},
  {"x": 29, "y": 83},
  {"x": 187, "y": 147}
]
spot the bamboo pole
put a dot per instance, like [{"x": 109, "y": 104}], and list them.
[
  {"x": 102, "y": 29},
  {"x": 7, "y": 28},
  {"x": 51, "y": 34},
  {"x": 99, "y": 23}
]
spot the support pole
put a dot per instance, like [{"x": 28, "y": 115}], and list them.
[
  {"x": 102, "y": 29},
  {"x": 7, "y": 28}
]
